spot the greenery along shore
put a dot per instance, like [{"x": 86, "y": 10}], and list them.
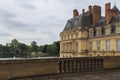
[{"x": 18, "y": 49}]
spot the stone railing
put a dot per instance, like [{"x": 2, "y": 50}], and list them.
[{"x": 80, "y": 65}]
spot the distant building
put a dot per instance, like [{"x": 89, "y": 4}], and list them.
[{"x": 90, "y": 34}]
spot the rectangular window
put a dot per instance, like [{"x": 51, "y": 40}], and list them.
[
  {"x": 76, "y": 47},
  {"x": 98, "y": 45},
  {"x": 71, "y": 36},
  {"x": 76, "y": 35},
  {"x": 90, "y": 46},
  {"x": 68, "y": 37},
  {"x": 108, "y": 45},
  {"x": 118, "y": 45},
  {"x": 99, "y": 33}
]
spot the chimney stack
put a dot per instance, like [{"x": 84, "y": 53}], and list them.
[
  {"x": 96, "y": 14},
  {"x": 107, "y": 7},
  {"x": 75, "y": 13},
  {"x": 83, "y": 10},
  {"x": 107, "y": 12},
  {"x": 90, "y": 9}
]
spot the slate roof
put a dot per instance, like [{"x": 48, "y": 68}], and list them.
[
  {"x": 80, "y": 21},
  {"x": 85, "y": 20},
  {"x": 116, "y": 9},
  {"x": 115, "y": 19},
  {"x": 101, "y": 22}
]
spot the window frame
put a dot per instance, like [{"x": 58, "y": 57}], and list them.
[
  {"x": 107, "y": 45},
  {"x": 98, "y": 45},
  {"x": 118, "y": 46}
]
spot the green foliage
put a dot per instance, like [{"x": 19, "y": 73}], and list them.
[
  {"x": 17, "y": 49},
  {"x": 52, "y": 49},
  {"x": 34, "y": 46}
]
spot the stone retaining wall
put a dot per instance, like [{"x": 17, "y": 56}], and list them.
[
  {"x": 28, "y": 67},
  {"x": 33, "y": 67}
]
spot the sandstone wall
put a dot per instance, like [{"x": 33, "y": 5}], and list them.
[
  {"x": 28, "y": 67},
  {"x": 111, "y": 62}
]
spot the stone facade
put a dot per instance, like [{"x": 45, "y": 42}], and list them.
[{"x": 90, "y": 34}]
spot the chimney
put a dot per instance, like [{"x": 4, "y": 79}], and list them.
[
  {"x": 83, "y": 10},
  {"x": 96, "y": 14},
  {"x": 90, "y": 9},
  {"x": 107, "y": 12},
  {"x": 75, "y": 13}
]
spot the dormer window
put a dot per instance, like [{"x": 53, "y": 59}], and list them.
[
  {"x": 102, "y": 31},
  {"x": 98, "y": 33},
  {"x": 112, "y": 29},
  {"x": 90, "y": 34},
  {"x": 94, "y": 33}
]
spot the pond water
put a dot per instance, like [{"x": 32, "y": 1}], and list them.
[{"x": 14, "y": 58}]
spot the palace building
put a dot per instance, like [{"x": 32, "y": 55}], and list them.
[{"x": 90, "y": 34}]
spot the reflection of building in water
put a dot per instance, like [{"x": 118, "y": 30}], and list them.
[{"x": 90, "y": 34}]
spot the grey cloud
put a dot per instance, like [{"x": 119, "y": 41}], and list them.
[
  {"x": 6, "y": 19},
  {"x": 28, "y": 6},
  {"x": 6, "y": 14},
  {"x": 5, "y": 34},
  {"x": 17, "y": 25}
]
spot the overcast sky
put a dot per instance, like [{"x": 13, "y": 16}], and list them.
[{"x": 39, "y": 20}]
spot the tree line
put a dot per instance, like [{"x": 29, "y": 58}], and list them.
[{"x": 18, "y": 49}]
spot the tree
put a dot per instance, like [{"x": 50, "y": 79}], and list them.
[
  {"x": 34, "y": 46},
  {"x": 14, "y": 43},
  {"x": 0, "y": 48},
  {"x": 44, "y": 50},
  {"x": 22, "y": 50},
  {"x": 15, "y": 48},
  {"x": 57, "y": 47}
]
